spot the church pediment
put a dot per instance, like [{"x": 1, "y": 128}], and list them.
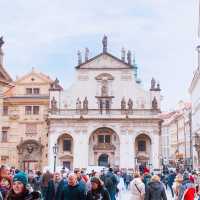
[
  {"x": 35, "y": 77},
  {"x": 104, "y": 61}
]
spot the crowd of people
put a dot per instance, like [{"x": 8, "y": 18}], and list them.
[{"x": 104, "y": 185}]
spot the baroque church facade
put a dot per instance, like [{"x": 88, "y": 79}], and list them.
[{"x": 105, "y": 118}]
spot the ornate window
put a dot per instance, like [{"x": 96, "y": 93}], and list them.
[
  {"x": 66, "y": 145},
  {"x": 29, "y": 91},
  {"x": 104, "y": 139},
  {"x": 141, "y": 145},
  {"x": 28, "y": 110},
  {"x": 36, "y": 110},
  {"x": 36, "y": 90}
]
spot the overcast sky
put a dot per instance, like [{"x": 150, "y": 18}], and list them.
[{"x": 46, "y": 34}]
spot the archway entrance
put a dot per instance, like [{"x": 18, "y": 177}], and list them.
[
  {"x": 143, "y": 150},
  {"x": 30, "y": 155},
  {"x": 104, "y": 148},
  {"x": 103, "y": 160},
  {"x": 65, "y": 151}
]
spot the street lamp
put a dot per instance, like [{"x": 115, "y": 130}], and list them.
[{"x": 55, "y": 151}]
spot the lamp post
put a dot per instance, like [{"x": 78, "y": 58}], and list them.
[{"x": 55, "y": 151}]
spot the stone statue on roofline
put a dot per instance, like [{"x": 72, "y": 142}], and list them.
[
  {"x": 1, "y": 41},
  {"x": 123, "y": 104},
  {"x": 130, "y": 105},
  {"x": 85, "y": 104},
  {"x": 86, "y": 54},
  {"x": 53, "y": 105},
  {"x": 129, "y": 59},
  {"x": 78, "y": 104},
  {"x": 153, "y": 84},
  {"x": 79, "y": 57},
  {"x": 105, "y": 43},
  {"x": 154, "y": 103}
]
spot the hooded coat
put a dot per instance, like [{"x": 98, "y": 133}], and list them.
[
  {"x": 137, "y": 189},
  {"x": 155, "y": 191}
]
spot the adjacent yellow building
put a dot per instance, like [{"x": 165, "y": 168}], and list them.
[{"x": 24, "y": 107}]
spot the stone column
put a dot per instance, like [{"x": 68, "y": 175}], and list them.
[
  {"x": 124, "y": 151},
  {"x": 131, "y": 152},
  {"x": 155, "y": 151},
  {"x": 51, "y": 141},
  {"x": 81, "y": 149}
]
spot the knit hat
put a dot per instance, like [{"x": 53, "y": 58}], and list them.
[{"x": 21, "y": 177}]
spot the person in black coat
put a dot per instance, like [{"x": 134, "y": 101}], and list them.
[
  {"x": 54, "y": 189},
  {"x": 97, "y": 191},
  {"x": 155, "y": 189}
]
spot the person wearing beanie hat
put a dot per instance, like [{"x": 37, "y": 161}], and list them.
[
  {"x": 98, "y": 191},
  {"x": 21, "y": 177},
  {"x": 19, "y": 190}
]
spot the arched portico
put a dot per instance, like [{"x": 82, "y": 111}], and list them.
[
  {"x": 65, "y": 150},
  {"x": 143, "y": 149},
  {"x": 104, "y": 147}
]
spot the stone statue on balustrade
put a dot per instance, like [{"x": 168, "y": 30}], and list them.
[
  {"x": 54, "y": 105},
  {"x": 154, "y": 104},
  {"x": 78, "y": 105},
  {"x": 1, "y": 41},
  {"x": 130, "y": 105},
  {"x": 123, "y": 104},
  {"x": 85, "y": 105},
  {"x": 104, "y": 89}
]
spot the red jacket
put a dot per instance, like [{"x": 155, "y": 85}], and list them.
[{"x": 189, "y": 194}]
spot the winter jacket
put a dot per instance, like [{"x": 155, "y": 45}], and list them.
[
  {"x": 185, "y": 185},
  {"x": 73, "y": 193},
  {"x": 189, "y": 194},
  {"x": 51, "y": 194},
  {"x": 155, "y": 191},
  {"x": 45, "y": 179},
  {"x": 100, "y": 193},
  {"x": 23, "y": 196},
  {"x": 137, "y": 189},
  {"x": 170, "y": 179}
]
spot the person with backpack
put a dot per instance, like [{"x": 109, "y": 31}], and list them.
[
  {"x": 111, "y": 183},
  {"x": 137, "y": 188}
]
